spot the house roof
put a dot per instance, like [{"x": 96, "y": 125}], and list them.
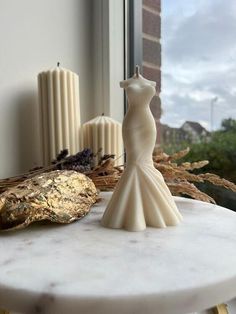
[
  {"x": 196, "y": 126},
  {"x": 165, "y": 127}
]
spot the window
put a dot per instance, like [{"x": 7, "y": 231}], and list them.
[{"x": 194, "y": 67}]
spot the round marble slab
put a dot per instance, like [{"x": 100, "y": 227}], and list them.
[{"x": 84, "y": 268}]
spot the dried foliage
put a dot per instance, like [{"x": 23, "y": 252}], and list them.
[
  {"x": 216, "y": 180},
  {"x": 105, "y": 176},
  {"x": 179, "y": 177},
  {"x": 187, "y": 188}
]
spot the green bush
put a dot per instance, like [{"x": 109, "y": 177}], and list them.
[{"x": 220, "y": 151}]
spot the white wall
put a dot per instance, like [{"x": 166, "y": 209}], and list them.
[{"x": 35, "y": 34}]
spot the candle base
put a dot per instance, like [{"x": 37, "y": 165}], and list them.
[{"x": 141, "y": 199}]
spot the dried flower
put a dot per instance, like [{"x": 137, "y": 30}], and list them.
[{"x": 179, "y": 177}]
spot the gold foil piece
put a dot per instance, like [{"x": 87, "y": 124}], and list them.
[
  {"x": 60, "y": 196},
  {"x": 220, "y": 309}
]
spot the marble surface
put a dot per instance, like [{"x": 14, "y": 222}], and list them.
[{"x": 85, "y": 268}]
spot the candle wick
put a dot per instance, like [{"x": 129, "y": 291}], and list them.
[
  {"x": 58, "y": 64},
  {"x": 137, "y": 72}
]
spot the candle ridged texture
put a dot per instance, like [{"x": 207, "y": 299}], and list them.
[
  {"x": 59, "y": 112},
  {"x": 104, "y": 135}
]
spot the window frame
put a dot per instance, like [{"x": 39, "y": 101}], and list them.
[
  {"x": 109, "y": 57},
  {"x": 134, "y": 35}
]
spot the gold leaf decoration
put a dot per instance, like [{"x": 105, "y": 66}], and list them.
[{"x": 59, "y": 196}]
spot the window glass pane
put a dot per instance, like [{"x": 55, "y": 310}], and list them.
[{"x": 197, "y": 58}]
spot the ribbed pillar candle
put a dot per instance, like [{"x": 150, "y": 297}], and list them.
[
  {"x": 105, "y": 134},
  {"x": 59, "y": 112}
]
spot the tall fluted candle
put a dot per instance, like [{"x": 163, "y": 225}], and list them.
[
  {"x": 59, "y": 112},
  {"x": 105, "y": 134}
]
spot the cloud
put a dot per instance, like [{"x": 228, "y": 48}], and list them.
[{"x": 199, "y": 61}]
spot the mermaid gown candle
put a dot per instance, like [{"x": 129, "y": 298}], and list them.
[{"x": 141, "y": 197}]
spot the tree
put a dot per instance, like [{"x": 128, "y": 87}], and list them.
[
  {"x": 228, "y": 125},
  {"x": 220, "y": 151}
]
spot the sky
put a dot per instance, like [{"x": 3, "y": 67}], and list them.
[{"x": 198, "y": 61}]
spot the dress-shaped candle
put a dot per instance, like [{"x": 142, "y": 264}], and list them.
[
  {"x": 59, "y": 112},
  {"x": 103, "y": 135},
  {"x": 141, "y": 197}
]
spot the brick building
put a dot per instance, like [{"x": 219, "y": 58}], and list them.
[
  {"x": 152, "y": 53},
  {"x": 190, "y": 132},
  {"x": 195, "y": 131}
]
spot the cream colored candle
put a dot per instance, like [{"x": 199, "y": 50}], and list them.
[
  {"x": 59, "y": 112},
  {"x": 105, "y": 134},
  {"x": 141, "y": 197}
]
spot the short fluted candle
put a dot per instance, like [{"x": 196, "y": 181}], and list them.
[
  {"x": 104, "y": 135},
  {"x": 59, "y": 112}
]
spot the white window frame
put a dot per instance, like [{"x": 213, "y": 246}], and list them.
[{"x": 109, "y": 57}]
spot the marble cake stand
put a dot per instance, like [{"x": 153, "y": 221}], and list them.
[{"x": 85, "y": 268}]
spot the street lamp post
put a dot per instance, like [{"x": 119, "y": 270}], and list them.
[{"x": 213, "y": 102}]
